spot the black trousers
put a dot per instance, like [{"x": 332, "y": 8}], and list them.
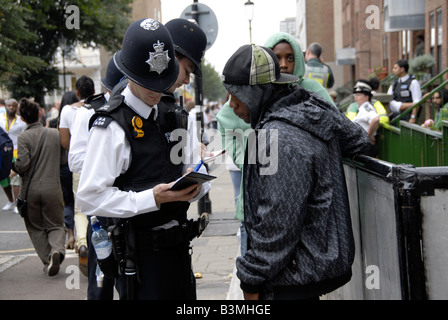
[{"x": 165, "y": 274}]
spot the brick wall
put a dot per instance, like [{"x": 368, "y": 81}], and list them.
[{"x": 319, "y": 26}]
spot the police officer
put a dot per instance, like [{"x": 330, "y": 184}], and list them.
[
  {"x": 405, "y": 91},
  {"x": 315, "y": 69},
  {"x": 132, "y": 161},
  {"x": 77, "y": 151}
]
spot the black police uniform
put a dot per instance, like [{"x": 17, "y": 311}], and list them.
[{"x": 162, "y": 257}]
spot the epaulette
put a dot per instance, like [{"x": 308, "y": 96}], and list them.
[{"x": 102, "y": 121}]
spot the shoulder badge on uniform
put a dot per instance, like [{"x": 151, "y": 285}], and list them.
[{"x": 102, "y": 122}]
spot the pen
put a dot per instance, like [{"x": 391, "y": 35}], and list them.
[{"x": 198, "y": 166}]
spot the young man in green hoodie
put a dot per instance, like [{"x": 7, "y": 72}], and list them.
[{"x": 291, "y": 59}]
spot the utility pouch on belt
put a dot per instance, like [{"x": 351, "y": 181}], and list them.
[{"x": 117, "y": 236}]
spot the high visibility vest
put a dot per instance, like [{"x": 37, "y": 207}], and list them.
[
  {"x": 352, "y": 111},
  {"x": 320, "y": 74}
]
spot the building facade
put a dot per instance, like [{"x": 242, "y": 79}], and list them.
[{"x": 360, "y": 35}]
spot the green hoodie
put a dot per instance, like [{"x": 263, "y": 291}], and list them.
[{"x": 228, "y": 120}]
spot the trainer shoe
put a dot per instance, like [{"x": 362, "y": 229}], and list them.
[
  {"x": 8, "y": 206},
  {"x": 53, "y": 266}
]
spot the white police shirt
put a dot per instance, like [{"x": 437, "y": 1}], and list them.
[
  {"x": 79, "y": 137},
  {"x": 108, "y": 154},
  {"x": 366, "y": 113}
]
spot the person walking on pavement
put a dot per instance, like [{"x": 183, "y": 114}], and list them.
[
  {"x": 68, "y": 99},
  {"x": 12, "y": 124},
  {"x": 38, "y": 154},
  {"x": 300, "y": 240},
  {"x": 84, "y": 89},
  {"x": 129, "y": 182}
]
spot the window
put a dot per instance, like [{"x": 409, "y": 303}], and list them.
[
  {"x": 386, "y": 51},
  {"x": 439, "y": 40}
]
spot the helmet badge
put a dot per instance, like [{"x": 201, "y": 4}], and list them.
[
  {"x": 150, "y": 24},
  {"x": 158, "y": 60}
]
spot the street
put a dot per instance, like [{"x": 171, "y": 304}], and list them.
[{"x": 214, "y": 254}]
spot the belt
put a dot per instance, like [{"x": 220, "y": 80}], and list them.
[{"x": 157, "y": 240}]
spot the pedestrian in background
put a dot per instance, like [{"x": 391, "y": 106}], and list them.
[
  {"x": 39, "y": 155},
  {"x": 12, "y": 124},
  {"x": 68, "y": 99},
  {"x": 85, "y": 88}
]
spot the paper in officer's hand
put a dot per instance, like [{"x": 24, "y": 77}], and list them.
[{"x": 189, "y": 179}]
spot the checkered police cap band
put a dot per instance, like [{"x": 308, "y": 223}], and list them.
[{"x": 254, "y": 65}]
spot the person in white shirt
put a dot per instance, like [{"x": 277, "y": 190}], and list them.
[
  {"x": 132, "y": 160},
  {"x": 80, "y": 127},
  {"x": 405, "y": 91},
  {"x": 85, "y": 87},
  {"x": 13, "y": 125},
  {"x": 367, "y": 117},
  {"x": 78, "y": 145}
]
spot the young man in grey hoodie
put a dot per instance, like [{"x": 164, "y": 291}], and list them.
[{"x": 296, "y": 210}]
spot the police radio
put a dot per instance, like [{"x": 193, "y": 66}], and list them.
[{"x": 137, "y": 124}]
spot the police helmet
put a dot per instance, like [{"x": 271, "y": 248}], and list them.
[
  {"x": 113, "y": 76},
  {"x": 147, "y": 55},
  {"x": 189, "y": 40}
]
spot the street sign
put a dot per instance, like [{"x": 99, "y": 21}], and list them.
[{"x": 206, "y": 19}]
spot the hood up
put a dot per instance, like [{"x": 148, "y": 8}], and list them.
[
  {"x": 291, "y": 104},
  {"x": 299, "y": 60}
]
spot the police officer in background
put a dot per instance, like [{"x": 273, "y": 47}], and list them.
[
  {"x": 405, "y": 91},
  {"x": 132, "y": 163},
  {"x": 315, "y": 68},
  {"x": 77, "y": 151}
]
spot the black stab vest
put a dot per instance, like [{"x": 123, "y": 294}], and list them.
[
  {"x": 401, "y": 90},
  {"x": 150, "y": 163}
]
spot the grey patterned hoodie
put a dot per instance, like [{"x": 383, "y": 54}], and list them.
[{"x": 297, "y": 218}]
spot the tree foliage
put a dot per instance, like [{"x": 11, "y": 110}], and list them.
[
  {"x": 28, "y": 46},
  {"x": 212, "y": 86},
  {"x": 13, "y": 30}
]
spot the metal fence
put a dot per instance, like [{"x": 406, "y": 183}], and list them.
[
  {"x": 400, "y": 223},
  {"x": 413, "y": 144}
]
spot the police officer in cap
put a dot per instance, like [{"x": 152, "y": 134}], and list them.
[{"x": 134, "y": 159}]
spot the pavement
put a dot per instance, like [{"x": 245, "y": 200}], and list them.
[{"x": 214, "y": 254}]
